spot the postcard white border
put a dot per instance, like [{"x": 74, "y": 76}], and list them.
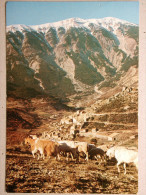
[{"x": 142, "y": 96}]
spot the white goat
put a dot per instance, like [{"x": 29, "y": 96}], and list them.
[
  {"x": 123, "y": 155},
  {"x": 69, "y": 143},
  {"x": 82, "y": 147}
]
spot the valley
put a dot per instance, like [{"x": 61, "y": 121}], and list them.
[
  {"x": 108, "y": 122},
  {"x": 72, "y": 80}
]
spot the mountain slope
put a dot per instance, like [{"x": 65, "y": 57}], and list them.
[{"x": 70, "y": 56}]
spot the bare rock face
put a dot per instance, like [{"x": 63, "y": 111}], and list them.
[
  {"x": 69, "y": 57},
  {"x": 128, "y": 42}
]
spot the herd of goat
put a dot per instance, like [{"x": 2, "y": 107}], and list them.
[{"x": 43, "y": 147}]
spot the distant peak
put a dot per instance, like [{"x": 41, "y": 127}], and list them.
[
  {"x": 71, "y": 22},
  {"x": 110, "y": 19}
]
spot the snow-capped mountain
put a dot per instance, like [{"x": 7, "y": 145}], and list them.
[
  {"x": 70, "y": 56},
  {"x": 73, "y": 22}
]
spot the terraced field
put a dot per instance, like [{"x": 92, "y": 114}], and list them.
[{"x": 26, "y": 174}]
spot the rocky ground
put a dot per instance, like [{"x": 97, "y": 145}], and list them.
[
  {"x": 26, "y": 174},
  {"x": 36, "y": 116}
]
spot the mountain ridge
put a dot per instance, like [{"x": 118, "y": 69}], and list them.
[
  {"x": 60, "y": 61},
  {"x": 71, "y": 23}
]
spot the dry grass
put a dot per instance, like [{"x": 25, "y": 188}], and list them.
[{"x": 27, "y": 175}]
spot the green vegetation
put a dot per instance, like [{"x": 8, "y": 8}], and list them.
[
  {"x": 52, "y": 37},
  {"x": 67, "y": 40},
  {"x": 15, "y": 42},
  {"x": 85, "y": 40},
  {"x": 84, "y": 72},
  {"x": 33, "y": 40},
  {"x": 22, "y": 92},
  {"x": 119, "y": 51},
  {"x": 107, "y": 34},
  {"x": 61, "y": 31},
  {"x": 24, "y": 84},
  {"x": 111, "y": 82},
  {"x": 129, "y": 62},
  {"x": 19, "y": 35},
  {"x": 15, "y": 47},
  {"x": 136, "y": 51},
  {"x": 70, "y": 36},
  {"x": 92, "y": 43},
  {"x": 110, "y": 71},
  {"x": 133, "y": 32},
  {"x": 117, "y": 76},
  {"x": 54, "y": 80},
  {"x": 108, "y": 83},
  {"x": 87, "y": 45},
  {"x": 96, "y": 60},
  {"x": 13, "y": 39},
  {"x": 91, "y": 25},
  {"x": 101, "y": 61}
]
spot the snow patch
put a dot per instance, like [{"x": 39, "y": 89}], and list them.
[{"x": 72, "y": 22}]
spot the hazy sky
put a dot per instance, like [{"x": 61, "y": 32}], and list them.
[{"x": 33, "y": 13}]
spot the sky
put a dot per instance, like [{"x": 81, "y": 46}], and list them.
[{"x": 35, "y": 13}]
